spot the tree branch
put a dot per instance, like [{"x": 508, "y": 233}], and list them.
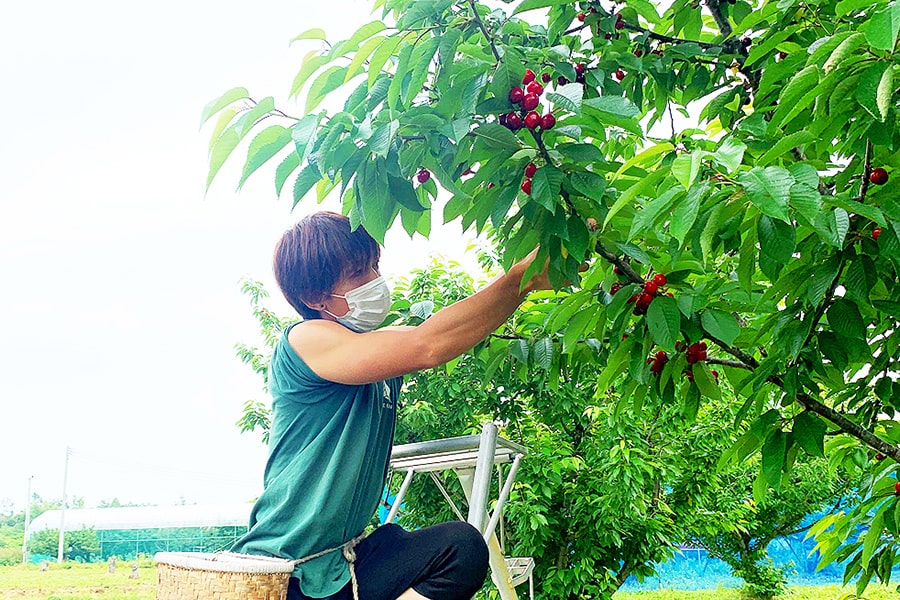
[
  {"x": 867, "y": 170},
  {"x": 484, "y": 30},
  {"x": 720, "y": 19}
]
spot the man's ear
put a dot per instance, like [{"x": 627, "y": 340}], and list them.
[{"x": 314, "y": 305}]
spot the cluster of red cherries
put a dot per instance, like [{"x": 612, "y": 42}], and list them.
[
  {"x": 530, "y": 170},
  {"x": 695, "y": 353},
  {"x": 528, "y": 98},
  {"x": 642, "y": 300}
]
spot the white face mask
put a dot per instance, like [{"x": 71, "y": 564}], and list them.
[{"x": 367, "y": 305}]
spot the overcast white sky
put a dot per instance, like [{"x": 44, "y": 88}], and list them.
[{"x": 119, "y": 298}]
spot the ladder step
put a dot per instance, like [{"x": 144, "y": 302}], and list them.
[{"x": 519, "y": 568}]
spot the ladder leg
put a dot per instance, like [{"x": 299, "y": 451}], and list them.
[{"x": 499, "y": 571}]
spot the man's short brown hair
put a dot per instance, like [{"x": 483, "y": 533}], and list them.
[{"x": 314, "y": 255}]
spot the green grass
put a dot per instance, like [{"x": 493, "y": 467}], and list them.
[{"x": 74, "y": 581}]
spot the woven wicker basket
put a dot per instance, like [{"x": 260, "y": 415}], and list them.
[{"x": 221, "y": 576}]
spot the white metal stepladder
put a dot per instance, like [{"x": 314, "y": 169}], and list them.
[{"x": 472, "y": 458}]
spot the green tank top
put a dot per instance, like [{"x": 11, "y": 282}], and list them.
[{"x": 329, "y": 448}]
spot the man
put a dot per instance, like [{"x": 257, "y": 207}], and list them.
[{"x": 335, "y": 381}]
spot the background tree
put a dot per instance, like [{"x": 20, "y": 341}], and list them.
[{"x": 772, "y": 220}]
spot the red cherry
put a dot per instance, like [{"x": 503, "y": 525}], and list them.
[
  {"x": 561, "y": 81},
  {"x": 617, "y": 270},
  {"x": 513, "y": 121},
  {"x": 639, "y": 53},
  {"x": 632, "y": 298},
  {"x": 897, "y": 489},
  {"x": 659, "y": 279},
  {"x": 532, "y": 120},
  {"x": 782, "y": 55},
  {"x": 516, "y": 95},
  {"x": 423, "y": 175},
  {"x": 661, "y": 355},
  {"x": 879, "y": 456},
  {"x": 878, "y": 176},
  {"x": 650, "y": 287},
  {"x": 534, "y": 88},
  {"x": 619, "y": 74},
  {"x": 530, "y": 101},
  {"x": 579, "y": 68},
  {"x": 529, "y": 77},
  {"x": 526, "y": 186},
  {"x": 715, "y": 375},
  {"x": 548, "y": 121},
  {"x": 644, "y": 300},
  {"x": 701, "y": 346},
  {"x": 530, "y": 170},
  {"x": 502, "y": 119},
  {"x": 620, "y": 24},
  {"x": 546, "y": 77},
  {"x": 615, "y": 288},
  {"x": 581, "y": 17},
  {"x": 876, "y": 232}
]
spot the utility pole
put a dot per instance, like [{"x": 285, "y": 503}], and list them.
[
  {"x": 27, "y": 522},
  {"x": 62, "y": 512}
]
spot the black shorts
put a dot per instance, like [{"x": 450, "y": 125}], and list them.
[{"x": 443, "y": 562}]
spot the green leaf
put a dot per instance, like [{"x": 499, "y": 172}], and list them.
[
  {"x": 686, "y": 167},
  {"x": 581, "y": 153},
  {"x": 706, "y": 381},
  {"x": 590, "y": 185},
  {"x": 381, "y": 55},
  {"x": 383, "y": 137},
  {"x": 614, "y": 105},
  {"x": 843, "y": 50},
  {"x": 568, "y": 97},
  {"x": 773, "y": 458},
  {"x": 785, "y": 144},
  {"x": 685, "y": 214},
  {"x": 545, "y": 187},
  {"x": 777, "y": 240},
  {"x": 284, "y": 170},
  {"x": 769, "y": 189},
  {"x": 868, "y": 90},
  {"x": 303, "y": 134},
  {"x": 809, "y": 432},
  {"x": 884, "y": 92},
  {"x": 535, "y": 4},
  {"x": 223, "y": 148},
  {"x": 845, "y": 319},
  {"x": 543, "y": 353},
  {"x": 497, "y": 137},
  {"x": 361, "y": 56},
  {"x": 872, "y": 539},
  {"x": 232, "y": 95},
  {"x": 721, "y": 325},
  {"x": 310, "y": 34},
  {"x": 653, "y": 211},
  {"x": 306, "y": 179},
  {"x": 311, "y": 64},
  {"x": 664, "y": 322},
  {"x": 264, "y": 146},
  {"x": 730, "y": 154},
  {"x": 881, "y": 30}
]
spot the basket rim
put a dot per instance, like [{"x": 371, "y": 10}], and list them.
[{"x": 225, "y": 562}]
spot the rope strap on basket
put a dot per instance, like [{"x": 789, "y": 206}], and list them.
[{"x": 348, "y": 550}]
